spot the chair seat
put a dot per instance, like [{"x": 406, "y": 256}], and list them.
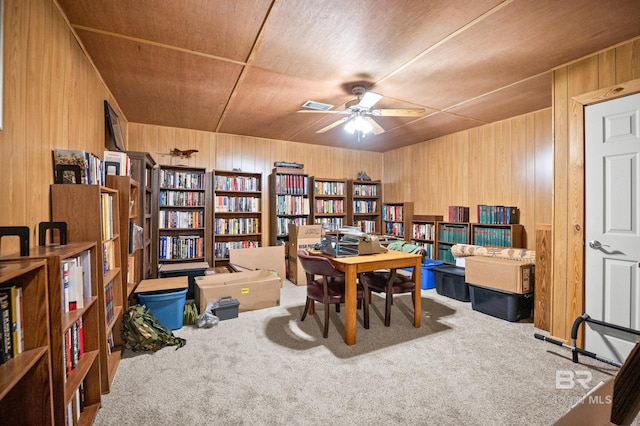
[
  {"x": 377, "y": 281},
  {"x": 335, "y": 290}
]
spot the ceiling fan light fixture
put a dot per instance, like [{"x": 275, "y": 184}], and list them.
[{"x": 358, "y": 124}]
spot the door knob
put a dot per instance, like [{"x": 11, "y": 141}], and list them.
[{"x": 596, "y": 245}]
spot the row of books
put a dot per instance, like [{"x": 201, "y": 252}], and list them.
[
  {"x": 221, "y": 250},
  {"x": 292, "y": 205},
  {"x": 106, "y": 203},
  {"x": 117, "y": 163},
  {"x": 182, "y": 198},
  {"x": 109, "y": 303},
  {"x": 429, "y": 249},
  {"x": 501, "y": 215},
  {"x": 75, "y": 407},
  {"x": 393, "y": 213},
  {"x": 498, "y": 237},
  {"x": 11, "y": 323},
  {"x": 424, "y": 231},
  {"x": 236, "y": 226},
  {"x": 365, "y": 206},
  {"x": 108, "y": 256},
  {"x": 445, "y": 255},
  {"x": 175, "y": 219},
  {"x": 181, "y": 247},
  {"x": 76, "y": 281},
  {"x": 458, "y": 214},
  {"x": 68, "y": 162},
  {"x": 329, "y": 206},
  {"x": 454, "y": 234},
  {"x": 328, "y": 188},
  {"x": 182, "y": 179},
  {"x": 291, "y": 184},
  {"x": 224, "y": 204},
  {"x": 365, "y": 190},
  {"x": 282, "y": 223},
  {"x": 73, "y": 346},
  {"x": 236, "y": 183},
  {"x": 368, "y": 226},
  {"x": 394, "y": 228},
  {"x": 330, "y": 223}
]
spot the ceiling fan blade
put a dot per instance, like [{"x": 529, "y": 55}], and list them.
[
  {"x": 369, "y": 99},
  {"x": 377, "y": 129},
  {"x": 324, "y": 112},
  {"x": 332, "y": 125},
  {"x": 407, "y": 112}
]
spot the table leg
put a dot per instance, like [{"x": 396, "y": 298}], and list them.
[
  {"x": 417, "y": 302},
  {"x": 351, "y": 305}
]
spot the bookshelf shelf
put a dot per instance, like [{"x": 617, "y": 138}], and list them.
[
  {"x": 396, "y": 219},
  {"x": 364, "y": 205},
  {"x": 98, "y": 221},
  {"x": 68, "y": 381},
  {"x": 182, "y": 215},
  {"x": 495, "y": 235},
  {"x": 449, "y": 234},
  {"x": 26, "y": 392},
  {"x": 328, "y": 201},
  {"x": 289, "y": 203}
]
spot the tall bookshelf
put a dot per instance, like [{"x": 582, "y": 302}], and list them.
[
  {"x": 364, "y": 205},
  {"x": 143, "y": 169},
  {"x": 128, "y": 202},
  {"x": 25, "y": 381},
  {"x": 448, "y": 234},
  {"x": 423, "y": 233},
  {"x": 182, "y": 215},
  {"x": 328, "y": 202},
  {"x": 495, "y": 235},
  {"x": 396, "y": 219},
  {"x": 237, "y": 212},
  {"x": 289, "y": 202},
  {"x": 98, "y": 221}
]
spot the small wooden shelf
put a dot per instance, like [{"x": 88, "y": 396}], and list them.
[
  {"x": 423, "y": 233},
  {"x": 328, "y": 201},
  {"x": 364, "y": 205},
  {"x": 289, "y": 203},
  {"x": 396, "y": 219},
  {"x": 26, "y": 387}
]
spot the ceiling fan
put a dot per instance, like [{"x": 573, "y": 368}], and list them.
[{"x": 360, "y": 112}]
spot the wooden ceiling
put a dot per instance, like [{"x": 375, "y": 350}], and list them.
[{"x": 246, "y": 66}]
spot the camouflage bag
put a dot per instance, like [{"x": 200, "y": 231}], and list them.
[{"x": 141, "y": 331}]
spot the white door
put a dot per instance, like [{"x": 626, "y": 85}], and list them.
[{"x": 612, "y": 210}]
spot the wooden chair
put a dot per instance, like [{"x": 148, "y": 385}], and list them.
[
  {"x": 329, "y": 289},
  {"x": 389, "y": 282}
]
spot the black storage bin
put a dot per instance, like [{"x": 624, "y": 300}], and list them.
[
  {"x": 501, "y": 304},
  {"x": 450, "y": 282},
  {"x": 186, "y": 269}
]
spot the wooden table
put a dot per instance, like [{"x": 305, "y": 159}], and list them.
[{"x": 352, "y": 266}]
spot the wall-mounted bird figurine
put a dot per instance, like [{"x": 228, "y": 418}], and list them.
[{"x": 183, "y": 153}]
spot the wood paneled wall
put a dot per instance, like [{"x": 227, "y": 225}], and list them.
[
  {"x": 605, "y": 69},
  {"x": 217, "y": 151},
  {"x": 53, "y": 98},
  {"x": 504, "y": 163}
]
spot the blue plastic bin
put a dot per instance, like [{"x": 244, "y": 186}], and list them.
[
  {"x": 428, "y": 278},
  {"x": 167, "y": 307}
]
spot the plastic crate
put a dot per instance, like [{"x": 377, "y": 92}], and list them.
[
  {"x": 450, "y": 282},
  {"x": 167, "y": 307},
  {"x": 501, "y": 304},
  {"x": 428, "y": 280}
]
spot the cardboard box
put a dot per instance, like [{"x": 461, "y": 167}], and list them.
[
  {"x": 514, "y": 276},
  {"x": 301, "y": 237},
  {"x": 162, "y": 284},
  {"x": 594, "y": 409},
  {"x": 253, "y": 289},
  {"x": 263, "y": 258}
]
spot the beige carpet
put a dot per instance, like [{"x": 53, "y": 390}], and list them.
[{"x": 267, "y": 368}]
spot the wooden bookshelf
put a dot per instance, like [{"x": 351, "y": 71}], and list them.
[
  {"x": 84, "y": 377},
  {"x": 98, "y": 221},
  {"x": 494, "y": 235},
  {"x": 289, "y": 203},
  {"x": 25, "y": 381},
  {"x": 143, "y": 171},
  {"x": 364, "y": 205},
  {"x": 328, "y": 202},
  {"x": 237, "y": 212},
  {"x": 423, "y": 233},
  {"x": 396, "y": 219},
  {"x": 182, "y": 215},
  {"x": 447, "y": 235}
]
